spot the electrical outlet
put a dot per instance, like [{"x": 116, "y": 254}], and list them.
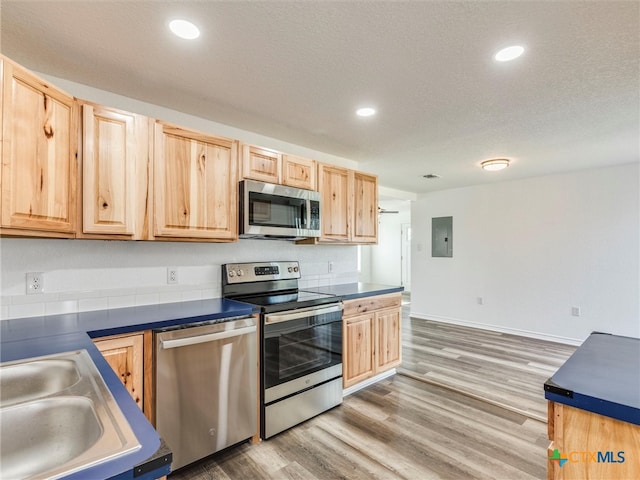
[
  {"x": 172, "y": 275},
  {"x": 480, "y": 300},
  {"x": 576, "y": 312},
  {"x": 330, "y": 267},
  {"x": 35, "y": 283}
]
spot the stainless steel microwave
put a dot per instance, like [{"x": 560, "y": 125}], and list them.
[{"x": 277, "y": 211}]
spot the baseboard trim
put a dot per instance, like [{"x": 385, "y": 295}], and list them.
[
  {"x": 367, "y": 382},
  {"x": 497, "y": 328}
]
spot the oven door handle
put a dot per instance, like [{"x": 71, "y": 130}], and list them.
[
  {"x": 211, "y": 337},
  {"x": 302, "y": 313}
]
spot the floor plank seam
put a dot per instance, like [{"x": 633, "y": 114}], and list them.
[{"x": 532, "y": 416}]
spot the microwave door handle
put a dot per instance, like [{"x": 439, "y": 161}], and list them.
[
  {"x": 306, "y": 214},
  {"x": 211, "y": 337},
  {"x": 302, "y": 313}
]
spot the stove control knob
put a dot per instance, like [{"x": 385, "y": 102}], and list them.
[
  {"x": 290, "y": 269},
  {"x": 240, "y": 273},
  {"x": 232, "y": 273},
  {"x": 295, "y": 269}
]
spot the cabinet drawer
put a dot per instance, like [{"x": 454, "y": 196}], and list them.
[{"x": 368, "y": 304}]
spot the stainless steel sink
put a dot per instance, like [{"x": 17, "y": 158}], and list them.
[
  {"x": 25, "y": 381},
  {"x": 57, "y": 417}
]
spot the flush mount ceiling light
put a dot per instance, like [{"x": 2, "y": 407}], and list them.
[
  {"x": 509, "y": 53},
  {"x": 184, "y": 29},
  {"x": 366, "y": 112},
  {"x": 495, "y": 164}
]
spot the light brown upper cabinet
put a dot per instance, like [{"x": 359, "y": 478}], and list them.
[
  {"x": 271, "y": 166},
  {"x": 39, "y": 163},
  {"x": 115, "y": 179},
  {"x": 195, "y": 185},
  {"x": 1, "y": 129},
  {"x": 298, "y": 172},
  {"x": 261, "y": 164},
  {"x": 334, "y": 186},
  {"x": 365, "y": 208},
  {"x": 349, "y": 207}
]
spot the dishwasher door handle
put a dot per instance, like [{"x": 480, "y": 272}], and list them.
[{"x": 210, "y": 337}]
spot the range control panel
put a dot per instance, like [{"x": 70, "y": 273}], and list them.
[{"x": 257, "y": 272}]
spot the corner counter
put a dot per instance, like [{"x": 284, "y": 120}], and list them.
[
  {"x": 594, "y": 411},
  {"x": 37, "y": 336}
]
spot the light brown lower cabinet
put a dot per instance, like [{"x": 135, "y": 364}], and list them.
[
  {"x": 591, "y": 446},
  {"x": 125, "y": 354},
  {"x": 372, "y": 340}
]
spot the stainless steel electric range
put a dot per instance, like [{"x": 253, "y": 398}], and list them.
[{"x": 300, "y": 340}]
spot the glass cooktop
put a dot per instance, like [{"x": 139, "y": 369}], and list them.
[{"x": 289, "y": 300}]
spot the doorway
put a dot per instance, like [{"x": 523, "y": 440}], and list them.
[{"x": 405, "y": 256}]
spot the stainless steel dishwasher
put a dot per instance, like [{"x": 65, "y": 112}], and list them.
[{"x": 206, "y": 387}]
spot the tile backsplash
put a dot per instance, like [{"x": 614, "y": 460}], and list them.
[{"x": 83, "y": 275}]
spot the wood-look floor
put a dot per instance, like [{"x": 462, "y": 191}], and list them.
[
  {"x": 507, "y": 370},
  {"x": 406, "y": 427}
]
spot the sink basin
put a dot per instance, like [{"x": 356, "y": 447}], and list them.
[
  {"x": 25, "y": 381},
  {"x": 41, "y": 435},
  {"x": 57, "y": 417}
]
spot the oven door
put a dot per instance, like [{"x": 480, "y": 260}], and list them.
[{"x": 301, "y": 348}]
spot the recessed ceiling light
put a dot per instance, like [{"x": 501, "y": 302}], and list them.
[
  {"x": 509, "y": 53},
  {"x": 184, "y": 29},
  {"x": 366, "y": 112},
  {"x": 495, "y": 164}
]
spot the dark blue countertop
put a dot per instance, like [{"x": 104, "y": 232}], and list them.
[
  {"x": 349, "y": 291},
  {"x": 602, "y": 376},
  {"x": 33, "y": 337}
]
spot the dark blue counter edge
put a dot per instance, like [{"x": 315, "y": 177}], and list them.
[
  {"x": 373, "y": 293},
  {"x": 613, "y": 410},
  {"x": 122, "y": 467},
  {"x": 352, "y": 291}
]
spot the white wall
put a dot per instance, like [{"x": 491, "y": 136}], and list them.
[
  {"x": 533, "y": 249},
  {"x": 382, "y": 262},
  {"x": 83, "y": 275}
]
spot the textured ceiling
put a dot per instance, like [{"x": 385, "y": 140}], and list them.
[{"x": 296, "y": 71}]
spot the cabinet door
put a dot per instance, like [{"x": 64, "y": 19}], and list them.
[
  {"x": 333, "y": 185},
  {"x": 365, "y": 200},
  {"x": 195, "y": 187},
  {"x": 125, "y": 356},
  {"x": 578, "y": 434},
  {"x": 113, "y": 143},
  {"x": 388, "y": 339},
  {"x": 261, "y": 164},
  {"x": 358, "y": 345},
  {"x": 39, "y": 146},
  {"x": 298, "y": 172},
  {"x": 1, "y": 128}
]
